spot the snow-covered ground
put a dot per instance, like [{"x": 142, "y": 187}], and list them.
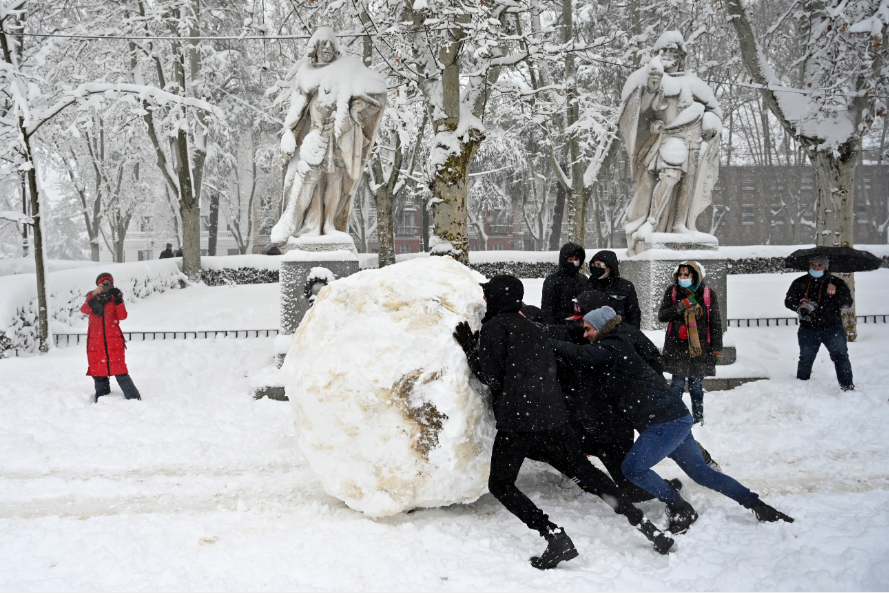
[{"x": 198, "y": 487}]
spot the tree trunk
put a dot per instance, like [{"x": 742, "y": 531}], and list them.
[
  {"x": 555, "y": 237},
  {"x": 385, "y": 230},
  {"x": 576, "y": 196},
  {"x": 213, "y": 224},
  {"x": 449, "y": 190},
  {"x": 835, "y": 183},
  {"x": 43, "y": 337}
]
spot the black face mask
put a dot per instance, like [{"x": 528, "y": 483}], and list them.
[{"x": 596, "y": 272}]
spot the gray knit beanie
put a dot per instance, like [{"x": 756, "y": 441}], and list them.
[
  {"x": 599, "y": 317},
  {"x": 820, "y": 259}
]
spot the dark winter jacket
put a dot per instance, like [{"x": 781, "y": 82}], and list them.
[
  {"x": 815, "y": 289},
  {"x": 631, "y": 385},
  {"x": 514, "y": 358},
  {"x": 559, "y": 289},
  {"x": 672, "y": 311},
  {"x": 166, "y": 253},
  {"x": 105, "y": 345},
  {"x": 620, "y": 291},
  {"x": 590, "y": 411}
]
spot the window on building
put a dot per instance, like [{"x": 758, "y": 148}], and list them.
[
  {"x": 498, "y": 246},
  {"x": 861, "y": 212},
  {"x": 777, "y": 214},
  {"x": 145, "y": 224},
  {"x": 748, "y": 181},
  {"x": 405, "y": 248},
  {"x": 145, "y": 254},
  {"x": 747, "y": 215},
  {"x": 205, "y": 223},
  {"x": 498, "y": 222},
  {"x": 203, "y": 252},
  {"x": 234, "y": 252}
]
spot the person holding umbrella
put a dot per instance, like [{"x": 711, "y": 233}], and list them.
[{"x": 818, "y": 298}]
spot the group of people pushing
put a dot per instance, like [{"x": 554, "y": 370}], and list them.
[{"x": 580, "y": 379}]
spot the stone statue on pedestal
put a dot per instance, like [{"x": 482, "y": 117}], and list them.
[
  {"x": 670, "y": 122},
  {"x": 336, "y": 105}
]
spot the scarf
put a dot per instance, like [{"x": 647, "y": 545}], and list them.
[{"x": 692, "y": 314}]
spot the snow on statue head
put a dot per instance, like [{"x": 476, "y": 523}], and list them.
[
  {"x": 323, "y": 47},
  {"x": 670, "y": 46},
  {"x": 336, "y": 105},
  {"x": 387, "y": 412}
]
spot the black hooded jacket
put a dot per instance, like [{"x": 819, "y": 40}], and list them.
[
  {"x": 628, "y": 382},
  {"x": 828, "y": 312},
  {"x": 515, "y": 360},
  {"x": 620, "y": 292},
  {"x": 559, "y": 289}
]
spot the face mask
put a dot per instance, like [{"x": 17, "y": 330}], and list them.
[
  {"x": 816, "y": 273},
  {"x": 685, "y": 282},
  {"x": 577, "y": 264},
  {"x": 597, "y": 272}
]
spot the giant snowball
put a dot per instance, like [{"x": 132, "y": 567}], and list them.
[{"x": 387, "y": 412}]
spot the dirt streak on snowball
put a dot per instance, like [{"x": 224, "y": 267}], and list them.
[{"x": 387, "y": 413}]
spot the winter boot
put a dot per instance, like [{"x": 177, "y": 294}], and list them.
[
  {"x": 708, "y": 460},
  {"x": 559, "y": 548},
  {"x": 764, "y": 512},
  {"x": 662, "y": 542},
  {"x": 681, "y": 514}
]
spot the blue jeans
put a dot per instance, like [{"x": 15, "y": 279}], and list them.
[
  {"x": 834, "y": 338},
  {"x": 673, "y": 439},
  {"x": 103, "y": 386},
  {"x": 695, "y": 387}
]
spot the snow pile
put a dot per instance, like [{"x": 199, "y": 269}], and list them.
[
  {"x": 386, "y": 409},
  {"x": 67, "y": 292}
]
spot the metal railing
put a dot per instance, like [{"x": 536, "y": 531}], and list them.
[
  {"x": 778, "y": 321},
  {"x": 149, "y": 336}
]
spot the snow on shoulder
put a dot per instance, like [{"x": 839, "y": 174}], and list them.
[{"x": 387, "y": 412}]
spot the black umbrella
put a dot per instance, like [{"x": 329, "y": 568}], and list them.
[{"x": 842, "y": 259}]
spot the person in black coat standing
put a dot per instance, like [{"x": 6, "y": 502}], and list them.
[
  {"x": 168, "y": 252},
  {"x": 560, "y": 288},
  {"x": 818, "y": 298},
  {"x": 660, "y": 417},
  {"x": 515, "y": 360},
  {"x": 621, "y": 293},
  {"x": 693, "y": 343}
]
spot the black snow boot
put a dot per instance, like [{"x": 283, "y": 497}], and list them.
[
  {"x": 681, "y": 514},
  {"x": 559, "y": 548},
  {"x": 662, "y": 542},
  {"x": 764, "y": 512}
]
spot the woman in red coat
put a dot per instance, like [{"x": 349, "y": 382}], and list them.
[{"x": 105, "y": 346}]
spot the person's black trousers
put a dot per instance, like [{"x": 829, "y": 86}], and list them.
[
  {"x": 103, "y": 386},
  {"x": 560, "y": 448},
  {"x": 612, "y": 453}
]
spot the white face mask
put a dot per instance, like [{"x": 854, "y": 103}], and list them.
[{"x": 577, "y": 264}]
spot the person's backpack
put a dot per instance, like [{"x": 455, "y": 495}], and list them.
[{"x": 706, "y": 306}]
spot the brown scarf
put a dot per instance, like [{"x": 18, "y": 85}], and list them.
[{"x": 692, "y": 314}]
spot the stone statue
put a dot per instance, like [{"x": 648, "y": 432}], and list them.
[
  {"x": 670, "y": 122},
  {"x": 336, "y": 105}
]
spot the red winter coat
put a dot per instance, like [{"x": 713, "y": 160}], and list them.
[{"x": 105, "y": 345}]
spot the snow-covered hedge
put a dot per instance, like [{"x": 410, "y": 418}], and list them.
[
  {"x": 25, "y": 265},
  {"x": 744, "y": 259},
  {"x": 240, "y": 269},
  {"x": 67, "y": 291}
]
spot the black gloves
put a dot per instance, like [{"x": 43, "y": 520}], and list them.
[
  {"x": 464, "y": 336},
  {"x": 116, "y": 295}
]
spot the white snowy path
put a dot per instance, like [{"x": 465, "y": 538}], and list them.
[{"x": 198, "y": 487}]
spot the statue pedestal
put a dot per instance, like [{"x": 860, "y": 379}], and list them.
[
  {"x": 296, "y": 266},
  {"x": 651, "y": 271}
]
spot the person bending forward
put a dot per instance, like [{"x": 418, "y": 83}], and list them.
[{"x": 660, "y": 417}]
